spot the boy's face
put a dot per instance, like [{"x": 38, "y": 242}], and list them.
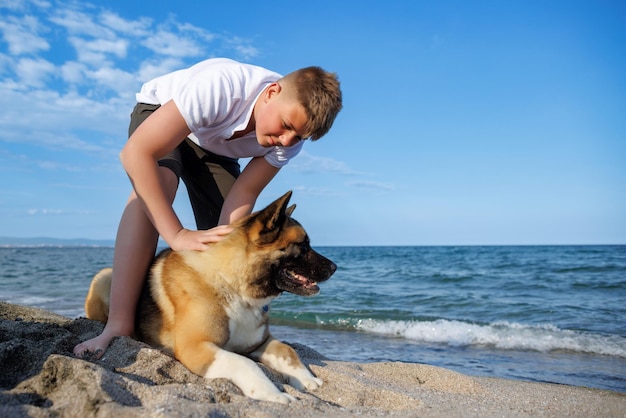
[{"x": 279, "y": 118}]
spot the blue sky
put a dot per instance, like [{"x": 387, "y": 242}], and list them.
[{"x": 464, "y": 123}]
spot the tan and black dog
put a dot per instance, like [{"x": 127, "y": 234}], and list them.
[{"x": 210, "y": 308}]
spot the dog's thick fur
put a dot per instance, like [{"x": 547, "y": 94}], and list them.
[{"x": 210, "y": 308}]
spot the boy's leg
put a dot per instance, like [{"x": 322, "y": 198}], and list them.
[{"x": 135, "y": 246}]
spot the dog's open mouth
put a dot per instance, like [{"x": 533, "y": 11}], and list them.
[{"x": 292, "y": 282}]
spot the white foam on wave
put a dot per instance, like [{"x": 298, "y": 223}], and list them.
[
  {"x": 29, "y": 300},
  {"x": 500, "y": 335}
]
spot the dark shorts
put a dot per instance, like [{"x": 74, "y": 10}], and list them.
[{"x": 207, "y": 176}]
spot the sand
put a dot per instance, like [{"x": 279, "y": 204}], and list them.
[{"x": 39, "y": 377}]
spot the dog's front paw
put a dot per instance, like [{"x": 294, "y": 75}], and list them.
[
  {"x": 282, "y": 397},
  {"x": 313, "y": 383},
  {"x": 308, "y": 383}
]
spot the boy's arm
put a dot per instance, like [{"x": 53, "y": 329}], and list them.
[
  {"x": 154, "y": 138},
  {"x": 244, "y": 192}
]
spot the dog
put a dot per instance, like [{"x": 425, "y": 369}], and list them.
[{"x": 210, "y": 309}]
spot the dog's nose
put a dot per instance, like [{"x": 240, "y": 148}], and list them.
[{"x": 330, "y": 269}]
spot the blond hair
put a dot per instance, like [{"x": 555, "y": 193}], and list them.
[{"x": 318, "y": 91}]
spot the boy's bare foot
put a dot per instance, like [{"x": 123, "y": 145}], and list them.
[{"x": 94, "y": 349}]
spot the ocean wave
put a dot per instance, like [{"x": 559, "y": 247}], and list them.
[
  {"x": 29, "y": 300},
  {"x": 499, "y": 335}
]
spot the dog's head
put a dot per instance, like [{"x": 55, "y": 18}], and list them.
[{"x": 279, "y": 247}]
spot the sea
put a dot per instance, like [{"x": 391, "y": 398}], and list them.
[{"x": 533, "y": 313}]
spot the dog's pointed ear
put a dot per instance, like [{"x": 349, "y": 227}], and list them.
[
  {"x": 290, "y": 209},
  {"x": 273, "y": 217}
]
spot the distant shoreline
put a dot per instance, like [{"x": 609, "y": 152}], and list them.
[
  {"x": 35, "y": 242},
  {"x": 54, "y": 242}
]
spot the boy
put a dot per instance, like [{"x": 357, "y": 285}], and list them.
[{"x": 194, "y": 124}]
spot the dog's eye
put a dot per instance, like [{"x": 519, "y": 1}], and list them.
[
  {"x": 297, "y": 249},
  {"x": 290, "y": 249},
  {"x": 304, "y": 246}
]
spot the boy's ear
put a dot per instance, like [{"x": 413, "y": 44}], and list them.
[{"x": 272, "y": 90}]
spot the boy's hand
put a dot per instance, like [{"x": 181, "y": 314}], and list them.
[{"x": 186, "y": 239}]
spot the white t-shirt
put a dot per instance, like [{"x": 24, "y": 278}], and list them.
[{"x": 216, "y": 98}]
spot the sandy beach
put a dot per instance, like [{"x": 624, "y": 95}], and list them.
[{"x": 41, "y": 378}]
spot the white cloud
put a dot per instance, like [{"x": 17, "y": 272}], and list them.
[
  {"x": 312, "y": 164},
  {"x": 123, "y": 82},
  {"x": 68, "y": 142},
  {"x": 34, "y": 72},
  {"x": 171, "y": 44},
  {"x": 6, "y": 62},
  {"x": 43, "y": 211},
  {"x": 247, "y": 51},
  {"x": 242, "y": 46},
  {"x": 68, "y": 75},
  {"x": 59, "y": 141},
  {"x": 89, "y": 55},
  {"x": 21, "y": 35},
  {"x": 56, "y": 166},
  {"x": 73, "y": 72},
  {"x": 11, "y": 162},
  {"x": 46, "y": 212},
  {"x": 117, "y": 47},
  {"x": 201, "y": 34},
  {"x": 79, "y": 23},
  {"x": 152, "y": 68},
  {"x": 136, "y": 28},
  {"x": 24, "y": 114},
  {"x": 23, "y": 5},
  {"x": 371, "y": 185},
  {"x": 314, "y": 191}
]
